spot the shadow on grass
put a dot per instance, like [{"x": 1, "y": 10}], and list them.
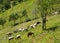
[{"x": 52, "y": 28}]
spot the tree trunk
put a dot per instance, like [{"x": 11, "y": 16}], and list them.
[{"x": 44, "y": 23}]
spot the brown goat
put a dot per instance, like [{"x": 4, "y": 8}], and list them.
[{"x": 30, "y": 33}]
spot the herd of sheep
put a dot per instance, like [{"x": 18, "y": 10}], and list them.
[
  {"x": 18, "y": 36},
  {"x": 10, "y": 34}
]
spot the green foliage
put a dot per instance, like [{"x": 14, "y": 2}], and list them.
[
  {"x": 6, "y": 4},
  {"x": 24, "y": 13},
  {"x": 19, "y": 0},
  {"x": 1, "y": 1},
  {"x": 44, "y": 6},
  {"x": 2, "y": 21},
  {"x": 13, "y": 17}
]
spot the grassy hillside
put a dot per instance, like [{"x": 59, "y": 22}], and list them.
[
  {"x": 50, "y": 35},
  {"x": 31, "y": 8}
]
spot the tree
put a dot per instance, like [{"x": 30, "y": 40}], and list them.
[
  {"x": 25, "y": 0},
  {"x": 13, "y": 17},
  {"x": 2, "y": 22},
  {"x": 26, "y": 16},
  {"x": 18, "y": 0},
  {"x": 1, "y": 1},
  {"x": 44, "y": 6},
  {"x": 6, "y": 4},
  {"x": 24, "y": 13}
]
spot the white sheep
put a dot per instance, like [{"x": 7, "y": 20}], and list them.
[
  {"x": 10, "y": 38},
  {"x": 21, "y": 29},
  {"x": 33, "y": 25},
  {"x": 18, "y": 36},
  {"x": 9, "y": 33}
]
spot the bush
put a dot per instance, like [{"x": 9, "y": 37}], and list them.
[
  {"x": 13, "y": 17},
  {"x": 2, "y": 22}
]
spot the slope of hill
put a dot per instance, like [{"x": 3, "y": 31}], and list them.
[
  {"x": 50, "y": 35},
  {"x": 30, "y": 6}
]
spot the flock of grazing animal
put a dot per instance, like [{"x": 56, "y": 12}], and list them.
[
  {"x": 10, "y": 36},
  {"x": 32, "y": 26}
]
